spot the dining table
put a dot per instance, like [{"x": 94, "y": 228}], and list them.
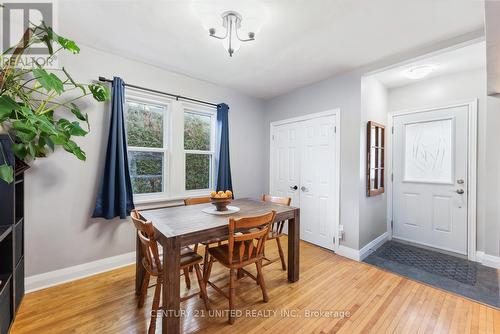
[{"x": 180, "y": 226}]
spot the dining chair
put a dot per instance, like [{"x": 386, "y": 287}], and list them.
[
  {"x": 246, "y": 240},
  {"x": 153, "y": 267},
  {"x": 202, "y": 200},
  {"x": 277, "y": 229}
]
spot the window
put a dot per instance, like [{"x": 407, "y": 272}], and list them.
[
  {"x": 198, "y": 149},
  {"x": 171, "y": 147},
  {"x": 375, "y": 159},
  {"x": 147, "y": 145}
]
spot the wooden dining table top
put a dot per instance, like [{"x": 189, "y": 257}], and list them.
[{"x": 184, "y": 220}]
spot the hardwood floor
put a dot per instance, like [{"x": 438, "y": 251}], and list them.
[{"x": 376, "y": 302}]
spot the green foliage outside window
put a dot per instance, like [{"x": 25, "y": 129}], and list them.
[
  {"x": 144, "y": 125},
  {"x": 146, "y": 172},
  {"x": 197, "y": 134},
  {"x": 145, "y": 129}
]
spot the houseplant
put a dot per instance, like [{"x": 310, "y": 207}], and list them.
[{"x": 37, "y": 106}]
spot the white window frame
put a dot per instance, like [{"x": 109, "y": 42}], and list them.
[
  {"x": 154, "y": 99},
  {"x": 212, "y": 113},
  {"x": 174, "y": 154}
]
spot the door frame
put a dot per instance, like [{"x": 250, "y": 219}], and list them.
[
  {"x": 332, "y": 112},
  {"x": 471, "y": 167}
]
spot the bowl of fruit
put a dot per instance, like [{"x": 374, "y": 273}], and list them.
[{"x": 221, "y": 199}]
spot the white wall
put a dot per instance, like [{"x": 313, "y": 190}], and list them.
[
  {"x": 372, "y": 210},
  {"x": 462, "y": 87},
  {"x": 61, "y": 190}
]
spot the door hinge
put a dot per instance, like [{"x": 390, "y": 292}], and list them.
[
  {"x": 335, "y": 129},
  {"x": 392, "y": 224},
  {"x": 392, "y": 130},
  {"x": 273, "y": 137},
  {"x": 392, "y": 177}
]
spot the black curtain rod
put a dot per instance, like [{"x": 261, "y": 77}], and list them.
[{"x": 177, "y": 97}]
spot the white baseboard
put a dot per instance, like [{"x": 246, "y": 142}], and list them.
[
  {"x": 360, "y": 255},
  {"x": 347, "y": 252},
  {"x": 373, "y": 245},
  {"x": 488, "y": 260},
  {"x": 51, "y": 278}
]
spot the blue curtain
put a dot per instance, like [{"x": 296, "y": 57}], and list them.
[
  {"x": 115, "y": 193},
  {"x": 223, "y": 165}
]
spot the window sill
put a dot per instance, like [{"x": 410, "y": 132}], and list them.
[{"x": 156, "y": 202}]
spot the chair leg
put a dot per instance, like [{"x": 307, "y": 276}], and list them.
[
  {"x": 206, "y": 276},
  {"x": 196, "y": 251},
  {"x": 205, "y": 261},
  {"x": 282, "y": 255},
  {"x": 203, "y": 286},
  {"x": 186, "y": 278},
  {"x": 260, "y": 278},
  {"x": 155, "y": 307},
  {"x": 232, "y": 281},
  {"x": 144, "y": 289}
]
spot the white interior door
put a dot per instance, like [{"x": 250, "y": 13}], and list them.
[
  {"x": 304, "y": 156},
  {"x": 286, "y": 154},
  {"x": 430, "y": 186}
]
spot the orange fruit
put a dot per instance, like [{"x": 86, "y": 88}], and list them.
[
  {"x": 213, "y": 193},
  {"x": 229, "y": 193}
]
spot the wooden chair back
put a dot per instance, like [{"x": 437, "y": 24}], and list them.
[
  {"x": 277, "y": 227},
  {"x": 275, "y": 199},
  {"x": 196, "y": 200},
  {"x": 242, "y": 234},
  {"x": 145, "y": 231}
]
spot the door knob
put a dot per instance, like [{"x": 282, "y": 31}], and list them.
[
  {"x": 294, "y": 187},
  {"x": 460, "y": 191},
  {"x": 303, "y": 188}
]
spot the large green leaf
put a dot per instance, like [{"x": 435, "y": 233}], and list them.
[
  {"x": 82, "y": 117},
  {"x": 46, "y": 125},
  {"x": 72, "y": 147},
  {"x": 24, "y": 131},
  {"x": 7, "y": 105},
  {"x": 73, "y": 128},
  {"x": 20, "y": 150},
  {"x": 49, "y": 81},
  {"x": 99, "y": 92},
  {"x": 59, "y": 139},
  {"x": 6, "y": 173},
  {"x": 68, "y": 45}
]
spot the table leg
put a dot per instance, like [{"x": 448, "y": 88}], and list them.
[
  {"x": 293, "y": 247},
  {"x": 139, "y": 269},
  {"x": 171, "y": 287}
]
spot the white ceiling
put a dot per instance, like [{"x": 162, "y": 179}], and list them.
[
  {"x": 461, "y": 59},
  {"x": 297, "y": 42}
]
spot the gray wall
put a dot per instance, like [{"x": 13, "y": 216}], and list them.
[
  {"x": 491, "y": 181},
  {"x": 462, "y": 87},
  {"x": 343, "y": 92},
  {"x": 61, "y": 189},
  {"x": 372, "y": 210}
]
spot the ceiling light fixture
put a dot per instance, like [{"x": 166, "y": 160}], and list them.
[
  {"x": 419, "y": 72},
  {"x": 231, "y": 20}
]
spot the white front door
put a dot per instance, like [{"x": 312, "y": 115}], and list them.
[
  {"x": 430, "y": 178},
  {"x": 304, "y": 168}
]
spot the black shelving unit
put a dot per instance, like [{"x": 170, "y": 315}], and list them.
[{"x": 11, "y": 238}]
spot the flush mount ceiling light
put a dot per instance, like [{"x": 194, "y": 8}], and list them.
[
  {"x": 419, "y": 72},
  {"x": 231, "y": 40}
]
